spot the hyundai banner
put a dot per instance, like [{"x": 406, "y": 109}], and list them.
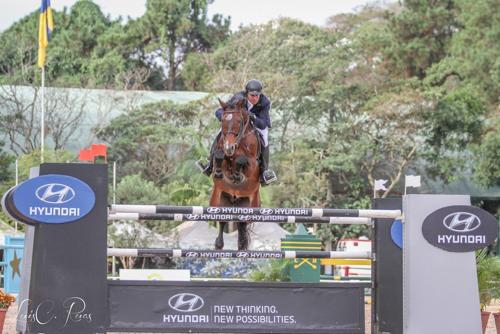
[
  {"x": 237, "y": 307},
  {"x": 460, "y": 228}
]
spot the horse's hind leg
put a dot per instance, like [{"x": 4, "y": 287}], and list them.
[{"x": 219, "y": 241}]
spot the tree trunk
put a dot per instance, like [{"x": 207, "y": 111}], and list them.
[{"x": 171, "y": 63}]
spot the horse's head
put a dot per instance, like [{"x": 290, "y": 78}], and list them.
[{"x": 234, "y": 121}]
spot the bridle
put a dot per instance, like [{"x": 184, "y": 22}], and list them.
[{"x": 242, "y": 128}]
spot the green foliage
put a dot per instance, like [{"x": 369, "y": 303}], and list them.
[
  {"x": 475, "y": 47},
  {"x": 455, "y": 123},
  {"x": 488, "y": 277},
  {"x": 272, "y": 271},
  {"x": 27, "y": 161},
  {"x": 154, "y": 139},
  {"x": 487, "y": 168},
  {"x": 421, "y": 34},
  {"x": 194, "y": 73},
  {"x": 129, "y": 235},
  {"x": 222, "y": 268},
  {"x": 134, "y": 189},
  {"x": 5, "y": 162},
  {"x": 456, "y": 120}
]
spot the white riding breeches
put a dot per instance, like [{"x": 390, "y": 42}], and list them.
[{"x": 265, "y": 135}]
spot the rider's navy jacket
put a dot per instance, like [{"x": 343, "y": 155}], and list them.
[{"x": 260, "y": 110}]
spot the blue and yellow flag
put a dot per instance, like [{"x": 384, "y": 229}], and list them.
[{"x": 45, "y": 30}]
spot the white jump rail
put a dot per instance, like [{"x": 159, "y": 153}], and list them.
[
  {"x": 192, "y": 253},
  {"x": 303, "y": 212},
  {"x": 237, "y": 218}
]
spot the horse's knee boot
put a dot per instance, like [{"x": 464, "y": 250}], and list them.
[
  {"x": 219, "y": 158},
  {"x": 241, "y": 161}
]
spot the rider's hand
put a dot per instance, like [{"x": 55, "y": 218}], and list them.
[{"x": 252, "y": 117}]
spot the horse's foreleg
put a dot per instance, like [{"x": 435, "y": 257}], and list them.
[
  {"x": 243, "y": 236},
  {"x": 219, "y": 158},
  {"x": 219, "y": 242},
  {"x": 243, "y": 228}
]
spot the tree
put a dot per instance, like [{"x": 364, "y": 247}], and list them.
[
  {"x": 73, "y": 42},
  {"x": 454, "y": 124},
  {"x": 5, "y": 161},
  {"x": 20, "y": 116},
  {"x": 487, "y": 168},
  {"x": 472, "y": 57},
  {"x": 70, "y": 48},
  {"x": 154, "y": 139},
  {"x": 172, "y": 29},
  {"x": 421, "y": 35},
  {"x": 120, "y": 61},
  {"x": 18, "y": 55}
]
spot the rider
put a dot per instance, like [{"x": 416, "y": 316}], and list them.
[{"x": 259, "y": 105}]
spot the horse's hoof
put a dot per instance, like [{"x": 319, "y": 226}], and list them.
[{"x": 219, "y": 244}]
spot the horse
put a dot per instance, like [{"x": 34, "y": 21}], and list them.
[{"x": 236, "y": 180}]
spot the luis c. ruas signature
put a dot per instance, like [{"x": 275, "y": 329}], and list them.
[{"x": 75, "y": 310}]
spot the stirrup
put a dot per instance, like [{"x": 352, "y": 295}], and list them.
[
  {"x": 205, "y": 169},
  {"x": 269, "y": 176}
]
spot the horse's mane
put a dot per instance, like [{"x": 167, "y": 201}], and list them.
[{"x": 233, "y": 101}]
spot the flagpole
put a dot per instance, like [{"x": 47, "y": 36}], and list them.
[
  {"x": 42, "y": 121},
  {"x": 17, "y": 182}
]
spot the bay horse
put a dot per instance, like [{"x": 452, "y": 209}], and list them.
[{"x": 236, "y": 167}]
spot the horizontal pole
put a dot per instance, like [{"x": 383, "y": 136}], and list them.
[
  {"x": 346, "y": 262},
  {"x": 237, "y": 218},
  {"x": 221, "y": 254},
  {"x": 304, "y": 212}
]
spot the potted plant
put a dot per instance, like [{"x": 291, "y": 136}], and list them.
[
  {"x": 488, "y": 279},
  {"x": 5, "y": 301}
]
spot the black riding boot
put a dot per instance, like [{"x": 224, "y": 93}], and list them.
[
  {"x": 207, "y": 168},
  {"x": 268, "y": 176}
]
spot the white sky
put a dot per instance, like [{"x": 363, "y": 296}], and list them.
[{"x": 242, "y": 12}]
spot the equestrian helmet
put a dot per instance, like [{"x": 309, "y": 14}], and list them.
[{"x": 253, "y": 86}]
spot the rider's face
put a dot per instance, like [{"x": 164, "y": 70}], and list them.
[{"x": 253, "y": 98}]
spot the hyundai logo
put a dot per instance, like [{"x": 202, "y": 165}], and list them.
[
  {"x": 192, "y": 217},
  {"x": 186, "y": 302},
  {"x": 461, "y": 222},
  {"x": 266, "y": 211},
  {"x": 244, "y": 217},
  {"x": 213, "y": 210},
  {"x": 242, "y": 254},
  {"x": 191, "y": 254},
  {"x": 55, "y": 193}
]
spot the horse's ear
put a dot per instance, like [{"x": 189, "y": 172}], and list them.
[{"x": 222, "y": 104}]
